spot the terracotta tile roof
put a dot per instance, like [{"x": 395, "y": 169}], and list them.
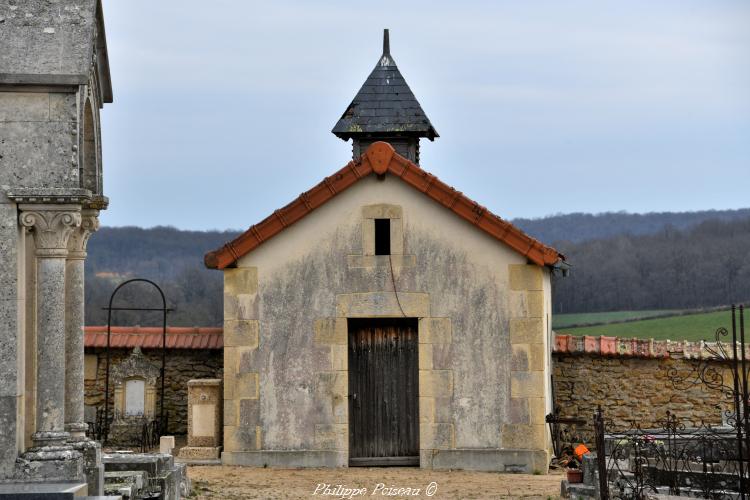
[
  {"x": 380, "y": 158},
  {"x": 151, "y": 337}
]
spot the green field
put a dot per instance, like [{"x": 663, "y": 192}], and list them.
[
  {"x": 687, "y": 327},
  {"x": 563, "y": 320}
]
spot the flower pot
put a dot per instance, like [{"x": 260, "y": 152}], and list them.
[{"x": 575, "y": 476}]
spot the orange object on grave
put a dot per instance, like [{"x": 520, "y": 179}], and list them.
[{"x": 580, "y": 451}]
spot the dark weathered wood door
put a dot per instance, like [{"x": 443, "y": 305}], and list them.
[{"x": 383, "y": 392}]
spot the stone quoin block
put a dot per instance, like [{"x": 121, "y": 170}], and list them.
[
  {"x": 425, "y": 356},
  {"x": 241, "y": 333},
  {"x": 518, "y": 411},
  {"x": 443, "y": 410},
  {"x": 368, "y": 236},
  {"x": 332, "y": 436},
  {"x": 340, "y": 408},
  {"x": 525, "y": 277},
  {"x": 535, "y": 304},
  {"x": 331, "y": 383},
  {"x": 241, "y": 280},
  {"x": 435, "y": 331},
  {"x": 435, "y": 383},
  {"x": 246, "y": 359},
  {"x": 249, "y": 412},
  {"x": 330, "y": 331},
  {"x": 240, "y": 306},
  {"x": 526, "y": 331},
  {"x": 230, "y": 411},
  {"x": 537, "y": 410},
  {"x": 397, "y": 236},
  {"x": 527, "y": 384},
  {"x": 339, "y": 357},
  {"x": 442, "y": 356},
  {"x": 436, "y": 436},
  {"x": 247, "y": 385},
  {"x": 426, "y": 410},
  {"x": 230, "y": 360},
  {"x": 240, "y": 438},
  {"x": 527, "y": 357},
  {"x": 523, "y": 436}
]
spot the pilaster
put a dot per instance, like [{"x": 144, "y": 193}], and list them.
[{"x": 51, "y": 226}]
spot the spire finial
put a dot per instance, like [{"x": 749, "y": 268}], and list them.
[{"x": 386, "y": 43}]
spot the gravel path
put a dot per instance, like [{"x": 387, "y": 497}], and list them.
[{"x": 245, "y": 482}]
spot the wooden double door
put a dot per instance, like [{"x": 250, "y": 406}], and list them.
[{"x": 383, "y": 392}]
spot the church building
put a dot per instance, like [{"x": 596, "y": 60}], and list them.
[{"x": 385, "y": 318}]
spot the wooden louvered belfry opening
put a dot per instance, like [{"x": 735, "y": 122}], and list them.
[{"x": 383, "y": 392}]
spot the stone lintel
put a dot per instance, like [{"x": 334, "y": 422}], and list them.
[
  {"x": 383, "y": 304},
  {"x": 382, "y": 211}
]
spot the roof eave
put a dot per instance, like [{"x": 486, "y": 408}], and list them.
[{"x": 381, "y": 158}]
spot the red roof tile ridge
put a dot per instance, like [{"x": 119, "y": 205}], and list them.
[{"x": 381, "y": 158}]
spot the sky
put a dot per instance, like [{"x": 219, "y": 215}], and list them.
[{"x": 222, "y": 110}]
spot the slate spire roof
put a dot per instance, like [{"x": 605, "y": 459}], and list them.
[{"x": 384, "y": 105}]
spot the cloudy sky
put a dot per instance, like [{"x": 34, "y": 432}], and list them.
[{"x": 223, "y": 109}]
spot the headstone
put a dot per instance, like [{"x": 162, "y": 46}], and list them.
[
  {"x": 166, "y": 444},
  {"x": 204, "y": 420}
]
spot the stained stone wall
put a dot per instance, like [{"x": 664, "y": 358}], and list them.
[
  {"x": 182, "y": 365},
  {"x": 633, "y": 388},
  {"x": 484, "y": 337}
]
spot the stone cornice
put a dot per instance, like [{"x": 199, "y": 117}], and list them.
[
  {"x": 97, "y": 202},
  {"x": 51, "y": 226},
  {"x": 49, "y": 195}
]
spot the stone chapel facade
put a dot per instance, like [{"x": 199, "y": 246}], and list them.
[
  {"x": 383, "y": 317},
  {"x": 54, "y": 79}
]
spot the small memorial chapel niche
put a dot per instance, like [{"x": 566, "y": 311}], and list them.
[{"x": 135, "y": 383}]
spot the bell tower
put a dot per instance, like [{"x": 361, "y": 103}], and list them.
[{"x": 385, "y": 109}]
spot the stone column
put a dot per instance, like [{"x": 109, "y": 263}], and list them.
[
  {"x": 74, "y": 322},
  {"x": 51, "y": 226}
]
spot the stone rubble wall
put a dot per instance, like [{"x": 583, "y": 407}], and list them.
[
  {"x": 182, "y": 365},
  {"x": 631, "y": 379}
]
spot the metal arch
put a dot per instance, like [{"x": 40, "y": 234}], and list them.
[{"x": 164, "y": 309}]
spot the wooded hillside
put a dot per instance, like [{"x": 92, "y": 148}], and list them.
[{"x": 620, "y": 262}]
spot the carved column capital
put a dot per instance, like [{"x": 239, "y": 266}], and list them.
[
  {"x": 51, "y": 226},
  {"x": 80, "y": 236}
]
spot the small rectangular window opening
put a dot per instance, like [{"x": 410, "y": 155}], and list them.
[{"x": 382, "y": 236}]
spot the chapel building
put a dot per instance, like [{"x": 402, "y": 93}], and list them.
[{"x": 385, "y": 318}]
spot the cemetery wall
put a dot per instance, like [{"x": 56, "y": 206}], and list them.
[
  {"x": 631, "y": 379},
  {"x": 182, "y": 365}
]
